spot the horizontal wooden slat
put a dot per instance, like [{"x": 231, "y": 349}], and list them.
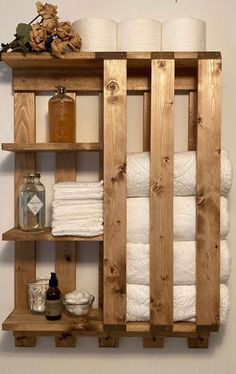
[
  {"x": 19, "y": 235},
  {"x": 87, "y": 60},
  {"x": 51, "y": 147},
  {"x": 137, "y": 80},
  {"x": 23, "y": 320}
]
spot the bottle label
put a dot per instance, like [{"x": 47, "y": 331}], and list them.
[
  {"x": 53, "y": 308},
  {"x": 35, "y": 204}
]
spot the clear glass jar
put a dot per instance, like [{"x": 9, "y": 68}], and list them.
[
  {"x": 32, "y": 203},
  {"x": 37, "y": 289}
]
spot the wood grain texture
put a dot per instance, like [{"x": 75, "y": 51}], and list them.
[
  {"x": 25, "y": 252},
  {"x": 115, "y": 105},
  {"x": 92, "y": 81},
  {"x": 108, "y": 342},
  {"x": 192, "y": 121},
  {"x": 161, "y": 195},
  {"x": 201, "y": 341},
  {"x": 153, "y": 342},
  {"x": 19, "y": 235},
  {"x": 146, "y": 121},
  {"x": 208, "y": 195},
  {"x": 22, "y": 320},
  {"x": 24, "y": 340},
  {"x": 51, "y": 147},
  {"x": 65, "y": 259}
]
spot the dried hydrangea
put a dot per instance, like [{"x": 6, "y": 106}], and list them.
[
  {"x": 38, "y": 36},
  {"x": 46, "y": 10}
]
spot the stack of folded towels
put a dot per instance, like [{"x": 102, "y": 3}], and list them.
[
  {"x": 77, "y": 208},
  {"x": 184, "y": 246}
]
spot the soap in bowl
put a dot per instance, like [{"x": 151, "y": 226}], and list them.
[{"x": 78, "y": 303}]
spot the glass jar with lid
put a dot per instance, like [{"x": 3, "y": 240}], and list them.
[{"x": 32, "y": 203}]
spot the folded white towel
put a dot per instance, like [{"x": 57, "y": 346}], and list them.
[
  {"x": 87, "y": 232},
  {"x": 184, "y": 262},
  {"x": 184, "y": 219},
  {"x": 62, "y": 210},
  {"x": 138, "y": 173},
  {"x": 138, "y": 297},
  {"x": 78, "y": 190}
]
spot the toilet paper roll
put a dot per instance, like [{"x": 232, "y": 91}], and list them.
[
  {"x": 97, "y": 34},
  {"x": 184, "y": 34},
  {"x": 139, "y": 34}
]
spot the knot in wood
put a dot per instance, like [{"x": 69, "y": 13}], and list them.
[
  {"x": 164, "y": 277},
  {"x": 156, "y": 187},
  {"x": 166, "y": 160},
  {"x": 111, "y": 271},
  {"x": 200, "y": 200},
  {"x": 112, "y": 86},
  {"x": 122, "y": 169},
  {"x": 199, "y": 121},
  {"x": 154, "y": 306},
  {"x": 162, "y": 64},
  {"x": 67, "y": 258}
]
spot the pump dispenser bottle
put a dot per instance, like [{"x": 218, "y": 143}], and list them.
[
  {"x": 53, "y": 304},
  {"x": 61, "y": 115}
]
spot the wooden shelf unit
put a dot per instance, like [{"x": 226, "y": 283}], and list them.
[{"x": 157, "y": 76}]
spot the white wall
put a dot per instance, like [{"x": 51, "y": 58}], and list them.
[{"x": 130, "y": 357}]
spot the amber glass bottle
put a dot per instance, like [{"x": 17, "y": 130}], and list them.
[
  {"x": 53, "y": 302},
  {"x": 61, "y": 113}
]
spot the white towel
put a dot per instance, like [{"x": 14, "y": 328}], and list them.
[
  {"x": 62, "y": 210},
  {"x": 80, "y": 227},
  {"x": 138, "y": 173},
  {"x": 184, "y": 263},
  {"x": 78, "y": 190},
  {"x": 138, "y": 297},
  {"x": 184, "y": 219}
]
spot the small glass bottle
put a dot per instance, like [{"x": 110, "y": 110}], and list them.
[
  {"x": 32, "y": 203},
  {"x": 61, "y": 114},
  {"x": 53, "y": 303}
]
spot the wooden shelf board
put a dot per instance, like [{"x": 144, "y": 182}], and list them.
[
  {"x": 51, "y": 147},
  {"x": 92, "y": 325},
  {"x": 20, "y": 235},
  {"x": 93, "y": 60}
]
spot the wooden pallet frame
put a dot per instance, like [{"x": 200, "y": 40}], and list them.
[{"x": 157, "y": 76}]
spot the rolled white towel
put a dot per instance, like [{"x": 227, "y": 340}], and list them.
[
  {"x": 138, "y": 297},
  {"x": 184, "y": 263},
  {"x": 184, "y": 219},
  {"x": 76, "y": 231},
  {"x": 138, "y": 173}
]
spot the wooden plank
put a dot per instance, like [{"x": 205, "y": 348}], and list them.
[
  {"x": 100, "y": 265},
  {"x": 25, "y": 252},
  {"x": 109, "y": 342},
  {"x": 51, "y": 147},
  {"x": 208, "y": 195},
  {"x": 24, "y": 340},
  {"x": 192, "y": 121},
  {"x": 92, "y": 81},
  {"x": 19, "y": 235},
  {"x": 65, "y": 259},
  {"x": 161, "y": 195},
  {"x": 115, "y": 106},
  {"x": 153, "y": 342},
  {"x": 201, "y": 341},
  {"x": 146, "y": 121}
]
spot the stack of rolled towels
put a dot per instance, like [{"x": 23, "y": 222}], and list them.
[
  {"x": 184, "y": 246},
  {"x": 141, "y": 34},
  {"x": 77, "y": 208}
]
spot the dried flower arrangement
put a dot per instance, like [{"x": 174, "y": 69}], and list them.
[{"x": 48, "y": 35}]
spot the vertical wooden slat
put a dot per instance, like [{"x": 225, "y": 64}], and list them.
[
  {"x": 65, "y": 258},
  {"x": 192, "y": 121},
  {"x": 201, "y": 341},
  {"x": 25, "y": 252},
  {"x": 208, "y": 195},
  {"x": 115, "y": 105},
  {"x": 161, "y": 195},
  {"x": 146, "y": 121}
]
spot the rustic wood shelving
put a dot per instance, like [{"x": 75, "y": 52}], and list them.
[{"x": 157, "y": 76}]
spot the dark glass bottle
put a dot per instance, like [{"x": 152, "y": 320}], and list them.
[{"x": 53, "y": 304}]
